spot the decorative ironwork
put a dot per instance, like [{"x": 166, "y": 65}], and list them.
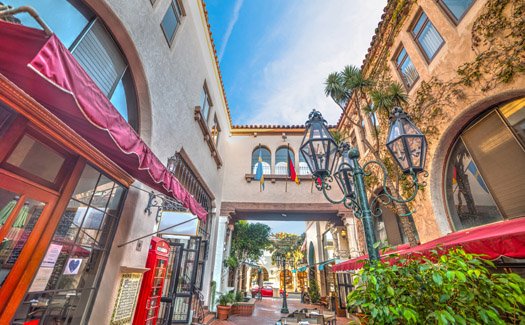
[{"x": 162, "y": 203}]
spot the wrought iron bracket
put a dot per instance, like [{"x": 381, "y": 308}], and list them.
[{"x": 162, "y": 203}]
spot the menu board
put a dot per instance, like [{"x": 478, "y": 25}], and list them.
[{"x": 126, "y": 298}]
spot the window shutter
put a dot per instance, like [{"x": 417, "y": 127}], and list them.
[{"x": 100, "y": 56}]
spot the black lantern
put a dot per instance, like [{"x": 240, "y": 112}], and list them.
[
  {"x": 318, "y": 147},
  {"x": 172, "y": 163},
  {"x": 344, "y": 167},
  {"x": 406, "y": 143}
]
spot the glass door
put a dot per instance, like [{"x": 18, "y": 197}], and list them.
[{"x": 24, "y": 211}]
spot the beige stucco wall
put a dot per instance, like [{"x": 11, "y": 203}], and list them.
[
  {"x": 169, "y": 83},
  {"x": 431, "y": 217}
]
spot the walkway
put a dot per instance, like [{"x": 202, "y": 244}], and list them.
[{"x": 268, "y": 311}]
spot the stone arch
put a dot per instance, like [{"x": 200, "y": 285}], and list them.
[
  {"x": 443, "y": 149},
  {"x": 128, "y": 48}
]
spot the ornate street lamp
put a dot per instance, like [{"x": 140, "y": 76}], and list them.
[
  {"x": 407, "y": 145},
  {"x": 282, "y": 260}
]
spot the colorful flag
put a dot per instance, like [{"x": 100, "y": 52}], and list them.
[
  {"x": 291, "y": 170},
  {"x": 475, "y": 172},
  {"x": 259, "y": 175}
]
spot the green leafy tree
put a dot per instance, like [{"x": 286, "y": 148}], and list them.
[
  {"x": 249, "y": 240},
  {"x": 451, "y": 288},
  {"x": 313, "y": 290},
  {"x": 368, "y": 100},
  {"x": 289, "y": 246}
]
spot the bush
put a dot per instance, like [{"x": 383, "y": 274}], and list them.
[
  {"x": 238, "y": 297},
  {"x": 451, "y": 288},
  {"x": 313, "y": 291},
  {"x": 226, "y": 298}
]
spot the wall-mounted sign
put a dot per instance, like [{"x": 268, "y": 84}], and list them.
[
  {"x": 171, "y": 218},
  {"x": 72, "y": 266},
  {"x": 126, "y": 298}
]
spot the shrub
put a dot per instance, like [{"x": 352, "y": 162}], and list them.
[
  {"x": 226, "y": 298},
  {"x": 238, "y": 297},
  {"x": 450, "y": 288},
  {"x": 313, "y": 291}
]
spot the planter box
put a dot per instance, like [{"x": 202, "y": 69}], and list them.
[{"x": 243, "y": 308}]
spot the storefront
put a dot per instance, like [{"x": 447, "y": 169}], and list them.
[{"x": 67, "y": 160}]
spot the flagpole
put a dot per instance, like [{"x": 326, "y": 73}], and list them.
[
  {"x": 260, "y": 184},
  {"x": 287, "y": 167}
]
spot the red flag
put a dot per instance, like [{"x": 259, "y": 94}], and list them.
[{"x": 291, "y": 170}]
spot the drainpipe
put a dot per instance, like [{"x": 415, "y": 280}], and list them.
[{"x": 8, "y": 11}]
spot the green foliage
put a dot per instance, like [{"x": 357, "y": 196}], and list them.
[
  {"x": 289, "y": 246},
  {"x": 231, "y": 262},
  {"x": 313, "y": 290},
  {"x": 249, "y": 240},
  {"x": 226, "y": 299},
  {"x": 453, "y": 288},
  {"x": 238, "y": 297}
]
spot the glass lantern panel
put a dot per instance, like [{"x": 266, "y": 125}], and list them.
[
  {"x": 409, "y": 127},
  {"x": 395, "y": 130},
  {"x": 398, "y": 151},
  {"x": 415, "y": 147}
]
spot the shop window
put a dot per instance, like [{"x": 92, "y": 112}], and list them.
[
  {"x": 456, "y": 9},
  {"x": 171, "y": 21},
  {"x": 484, "y": 177},
  {"x": 281, "y": 160},
  {"x": 205, "y": 102},
  {"x": 427, "y": 36},
  {"x": 63, "y": 289},
  {"x": 406, "y": 68},
  {"x": 42, "y": 162},
  {"x": 265, "y": 156}
]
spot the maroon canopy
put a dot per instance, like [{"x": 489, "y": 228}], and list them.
[
  {"x": 44, "y": 68},
  {"x": 505, "y": 238}
]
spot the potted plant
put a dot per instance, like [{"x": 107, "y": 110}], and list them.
[{"x": 224, "y": 306}]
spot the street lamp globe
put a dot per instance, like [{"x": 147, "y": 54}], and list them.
[
  {"x": 318, "y": 146},
  {"x": 406, "y": 143},
  {"x": 344, "y": 167}
]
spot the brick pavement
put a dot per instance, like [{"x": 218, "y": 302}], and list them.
[{"x": 268, "y": 311}]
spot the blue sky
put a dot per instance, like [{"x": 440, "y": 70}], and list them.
[{"x": 275, "y": 54}]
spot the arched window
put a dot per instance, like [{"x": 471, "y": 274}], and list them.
[
  {"x": 303, "y": 166},
  {"x": 388, "y": 228},
  {"x": 78, "y": 27},
  {"x": 266, "y": 158},
  {"x": 281, "y": 160},
  {"x": 484, "y": 179}
]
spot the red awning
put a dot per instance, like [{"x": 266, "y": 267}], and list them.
[
  {"x": 505, "y": 238},
  {"x": 46, "y": 70}
]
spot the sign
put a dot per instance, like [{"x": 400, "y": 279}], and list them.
[
  {"x": 171, "y": 218},
  {"x": 126, "y": 298},
  {"x": 51, "y": 256},
  {"x": 41, "y": 279},
  {"x": 72, "y": 266}
]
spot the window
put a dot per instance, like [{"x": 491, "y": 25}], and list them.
[
  {"x": 484, "y": 177},
  {"x": 281, "y": 160},
  {"x": 303, "y": 166},
  {"x": 205, "y": 102},
  {"x": 456, "y": 9},
  {"x": 215, "y": 131},
  {"x": 171, "y": 21},
  {"x": 406, "y": 69},
  {"x": 79, "y": 29},
  {"x": 427, "y": 37},
  {"x": 265, "y": 156}
]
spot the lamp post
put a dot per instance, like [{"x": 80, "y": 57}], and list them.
[
  {"x": 327, "y": 160},
  {"x": 282, "y": 260}
]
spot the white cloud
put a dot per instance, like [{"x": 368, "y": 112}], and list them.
[
  {"x": 322, "y": 37},
  {"x": 235, "y": 16}
]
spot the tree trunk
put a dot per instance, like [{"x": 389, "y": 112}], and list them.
[
  {"x": 236, "y": 277},
  {"x": 401, "y": 209}
]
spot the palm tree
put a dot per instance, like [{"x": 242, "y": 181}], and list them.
[{"x": 334, "y": 88}]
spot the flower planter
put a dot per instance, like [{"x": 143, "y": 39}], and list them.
[
  {"x": 243, "y": 308},
  {"x": 223, "y": 312}
]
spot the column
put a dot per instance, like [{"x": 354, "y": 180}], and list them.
[
  {"x": 352, "y": 239},
  {"x": 218, "y": 265}
]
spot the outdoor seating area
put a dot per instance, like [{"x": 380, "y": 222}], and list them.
[{"x": 309, "y": 316}]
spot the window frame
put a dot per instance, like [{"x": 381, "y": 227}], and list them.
[
  {"x": 177, "y": 8},
  {"x": 416, "y": 36},
  {"x": 216, "y": 127},
  {"x": 398, "y": 66},
  {"x": 451, "y": 15}
]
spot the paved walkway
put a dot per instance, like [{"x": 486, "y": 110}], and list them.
[{"x": 268, "y": 311}]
